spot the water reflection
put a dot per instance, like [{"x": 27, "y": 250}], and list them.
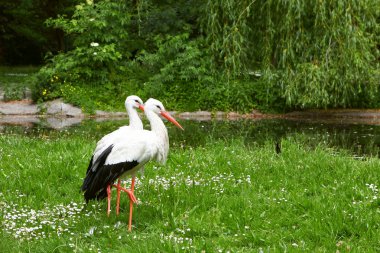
[{"x": 359, "y": 138}]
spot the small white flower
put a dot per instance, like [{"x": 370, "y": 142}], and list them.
[
  {"x": 94, "y": 44},
  {"x": 95, "y": 53},
  {"x": 91, "y": 231},
  {"x": 117, "y": 224}
]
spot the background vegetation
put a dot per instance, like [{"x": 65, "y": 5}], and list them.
[{"x": 214, "y": 55}]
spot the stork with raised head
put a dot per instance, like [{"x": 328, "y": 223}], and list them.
[
  {"x": 131, "y": 104},
  {"x": 128, "y": 154}
]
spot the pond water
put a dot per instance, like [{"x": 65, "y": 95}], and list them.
[{"x": 361, "y": 139}]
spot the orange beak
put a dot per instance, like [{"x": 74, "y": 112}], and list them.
[
  {"x": 141, "y": 107},
  {"x": 167, "y": 116}
]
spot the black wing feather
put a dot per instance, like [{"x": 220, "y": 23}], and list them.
[
  {"x": 92, "y": 168},
  {"x": 99, "y": 175}
]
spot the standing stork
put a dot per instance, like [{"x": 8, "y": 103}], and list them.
[
  {"x": 128, "y": 154},
  {"x": 131, "y": 104}
]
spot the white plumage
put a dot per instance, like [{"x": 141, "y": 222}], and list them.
[
  {"x": 131, "y": 104},
  {"x": 140, "y": 147},
  {"x": 125, "y": 151}
]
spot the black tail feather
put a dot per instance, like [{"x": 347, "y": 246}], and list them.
[
  {"x": 99, "y": 175},
  {"x": 93, "y": 173}
]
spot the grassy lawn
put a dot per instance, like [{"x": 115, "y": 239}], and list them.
[
  {"x": 14, "y": 80},
  {"x": 219, "y": 197}
]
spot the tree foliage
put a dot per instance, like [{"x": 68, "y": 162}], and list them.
[
  {"x": 96, "y": 57},
  {"x": 320, "y": 53},
  {"x": 230, "y": 55},
  {"x": 24, "y": 39}
]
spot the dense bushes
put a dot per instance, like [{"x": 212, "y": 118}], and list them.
[
  {"x": 218, "y": 55},
  {"x": 92, "y": 71}
]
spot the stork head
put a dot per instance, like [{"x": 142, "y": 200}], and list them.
[
  {"x": 134, "y": 102},
  {"x": 157, "y": 107}
]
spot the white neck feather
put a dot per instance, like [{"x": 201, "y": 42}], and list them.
[
  {"x": 159, "y": 128},
  {"x": 134, "y": 119}
]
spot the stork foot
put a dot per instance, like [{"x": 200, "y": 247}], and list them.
[
  {"x": 131, "y": 196},
  {"x": 130, "y": 193}
]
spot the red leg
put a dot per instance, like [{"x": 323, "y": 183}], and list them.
[
  {"x": 130, "y": 194},
  {"x": 131, "y": 205},
  {"x": 118, "y": 197},
  {"x": 109, "y": 200}
]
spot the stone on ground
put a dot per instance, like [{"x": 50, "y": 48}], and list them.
[{"x": 58, "y": 107}]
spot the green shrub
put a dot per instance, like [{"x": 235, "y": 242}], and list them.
[
  {"x": 13, "y": 93},
  {"x": 183, "y": 77},
  {"x": 95, "y": 60}
]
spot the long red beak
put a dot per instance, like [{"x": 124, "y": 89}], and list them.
[
  {"x": 167, "y": 116},
  {"x": 141, "y": 107}
]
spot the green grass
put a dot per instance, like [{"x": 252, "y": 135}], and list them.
[
  {"x": 14, "y": 81},
  {"x": 219, "y": 197}
]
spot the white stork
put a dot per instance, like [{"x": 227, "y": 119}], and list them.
[
  {"x": 128, "y": 154},
  {"x": 131, "y": 104}
]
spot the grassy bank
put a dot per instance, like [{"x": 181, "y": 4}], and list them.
[{"x": 219, "y": 197}]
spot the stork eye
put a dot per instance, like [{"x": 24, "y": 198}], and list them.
[
  {"x": 158, "y": 107},
  {"x": 137, "y": 101}
]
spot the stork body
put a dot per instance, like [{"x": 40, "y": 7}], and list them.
[
  {"x": 128, "y": 154},
  {"x": 135, "y": 123},
  {"x": 124, "y": 157}
]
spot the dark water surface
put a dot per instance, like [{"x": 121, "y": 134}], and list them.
[{"x": 361, "y": 139}]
